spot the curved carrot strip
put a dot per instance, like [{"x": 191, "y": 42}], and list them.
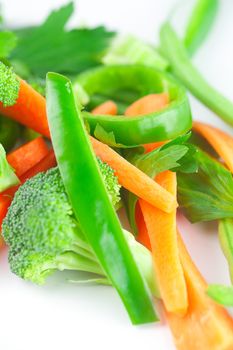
[
  {"x": 108, "y": 107},
  {"x": 163, "y": 237},
  {"x": 29, "y": 109},
  {"x": 134, "y": 179},
  {"x": 206, "y": 325},
  {"x": 219, "y": 140},
  {"x": 148, "y": 104},
  {"x": 27, "y": 155}
]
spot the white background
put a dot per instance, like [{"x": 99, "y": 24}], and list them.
[{"x": 63, "y": 316}]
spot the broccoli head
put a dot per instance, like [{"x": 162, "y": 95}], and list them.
[{"x": 41, "y": 230}]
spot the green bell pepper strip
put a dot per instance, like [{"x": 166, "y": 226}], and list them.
[
  {"x": 132, "y": 82},
  {"x": 90, "y": 201},
  {"x": 183, "y": 69},
  {"x": 200, "y": 23}
]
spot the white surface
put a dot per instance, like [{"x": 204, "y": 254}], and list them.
[{"x": 62, "y": 316}]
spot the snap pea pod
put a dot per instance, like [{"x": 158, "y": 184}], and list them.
[
  {"x": 90, "y": 201},
  {"x": 186, "y": 73},
  {"x": 134, "y": 81},
  {"x": 200, "y": 23}
]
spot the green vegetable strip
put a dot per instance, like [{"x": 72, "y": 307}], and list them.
[
  {"x": 200, "y": 23},
  {"x": 90, "y": 201},
  {"x": 137, "y": 81},
  {"x": 225, "y": 231},
  {"x": 221, "y": 294},
  {"x": 183, "y": 69}
]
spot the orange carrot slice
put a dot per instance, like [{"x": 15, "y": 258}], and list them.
[
  {"x": 29, "y": 109},
  {"x": 163, "y": 237},
  {"x": 134, "y": 179},
  {"x": 154, "y": 145},
  {"x": 219, "y": 140},
  {"x": 148, "y": 104},
  {"x": 142, "y": 236},
  {"x": 26, "y": 156},
  {"x": 207, "y": 325},
  {"x": 108, "y": 107}
]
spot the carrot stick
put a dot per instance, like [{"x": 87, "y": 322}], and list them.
[
  {"x": 29, "y": 109},
  {"x": 219, "y": 140},
  {"x": 207, "y": 325},
  {"x": 27, "y": 155},
  {"x": 108, "y": 107},
  {"x": 163, "y": 237},
  {"x": 148, "y": 104},
  {"x": 142, "y": 236},
  {"x": 154, "y": 145},
  {"x": 134, "y": 179}
]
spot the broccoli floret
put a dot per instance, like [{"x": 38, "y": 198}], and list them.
[
  {"x": 42, "y": 232},
  {"x": 44, "y": 236},
  {"x": 9, "y": 85}
]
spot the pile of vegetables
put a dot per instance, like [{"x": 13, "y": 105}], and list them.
[{"x": 117, "y": 132}]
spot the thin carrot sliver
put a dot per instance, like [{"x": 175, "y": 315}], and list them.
[
  {"x": 163, "y": 238},
  {"x": 148, "y": 104},
  {"x": 219, "y": 140},
  {"x": 134, "y": 179},
  {"x": 29, "y": 109},
  {"x": 108, "y": 107},
  {"x": 27, "y": 155}
]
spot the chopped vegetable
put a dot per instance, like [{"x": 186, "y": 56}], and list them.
[
  {"x": 208, "y": 194},
  {"x": 200, "y": 23},
  {"x": 206, "y": 325},
  {"x": 108, "y": 107},
  {"x": 79, "y": 49},
  {"x": 7, "y": 176},
  {"x": 133, "y": 179},
  {"x": 163, "y": 238},
  {"x": 25, "y": 157},
  {"x": 125, "y": 84},
  {"x": 22, "y": 103},
  {"x": 219, "y": 140},
  {"x": 9, "y": 133},
  {"x": 148, "y": 104},
  {"x": 184, "y": 70},
  {"x": 9, "y": 86},
  {"x": 131, "y": 50},
  {"x": 94, "y": 211}
]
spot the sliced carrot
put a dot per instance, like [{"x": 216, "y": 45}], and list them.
[
  {"x": 219, "y": 140},
  {"x": 142, "y": 236},
  {"x": 207, "y": 325},
  {"x": 26, "y": 156},
  {"x": 134, "y": 179},
  {"x": 29, "y": 109},
  {"x": 163, "y": 237},
  {"x": 108, "y": 107},
  {"x": 148, "y": 104},
  {"x": 152, "y": 146}
]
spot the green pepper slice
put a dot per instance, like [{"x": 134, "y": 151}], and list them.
[
  {"x": 90, "y": 201},
  {"x": 126, "y": 84}
]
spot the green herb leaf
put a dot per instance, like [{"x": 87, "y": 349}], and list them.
[
  {"x": 8, "y": 41},
  {"x": 221, "y": 294},
  {"x": 208, "y": 194},
  {"x": 52, "y": 47}
]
